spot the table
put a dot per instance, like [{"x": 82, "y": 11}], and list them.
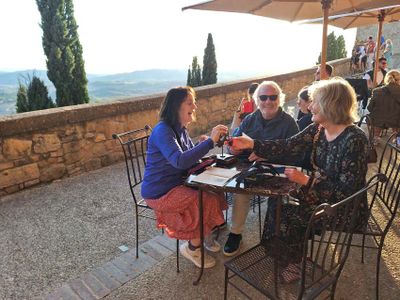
[{"x": 276, "y": 186}]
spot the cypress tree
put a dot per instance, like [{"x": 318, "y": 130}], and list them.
[
  {"x": 38, "y": 95},
  {"x": 341, "y": 47},
  {"x": 79, "y": 91},
  {"x": 35, "y": 97},
  {"x": 65, "y": 67},
  {"x": 22, "y": 99},
  {"x": 209, "y": 63},
  {"x": 189, "y": 77},
  {"x": 336, "y": 48},
  {"x": 195, "y": 74}
]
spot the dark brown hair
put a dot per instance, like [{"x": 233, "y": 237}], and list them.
[{"x": 169, "y": 111}]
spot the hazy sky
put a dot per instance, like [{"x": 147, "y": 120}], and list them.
[{"x": 127, "y": 35}]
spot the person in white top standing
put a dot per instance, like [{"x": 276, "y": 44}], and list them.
[{"x": 370, "y": 50}]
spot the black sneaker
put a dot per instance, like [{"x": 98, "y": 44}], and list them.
[{"x": 232, "y": 245}]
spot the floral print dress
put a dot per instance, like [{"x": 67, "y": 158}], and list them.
[{"x": 340, "y": 165}]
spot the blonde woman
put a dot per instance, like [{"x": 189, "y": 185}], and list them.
[
  {"x": 384, "y": 106},
  {"x": 388, "y": 52},
  {"x": 338, "y": 157}
]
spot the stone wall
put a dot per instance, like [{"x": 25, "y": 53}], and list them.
[{"x": 39, "y": 147}]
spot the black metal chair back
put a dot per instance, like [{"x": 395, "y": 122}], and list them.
[
  {"x": 134, "y": 145},
  {"x": 385, "y": 201},
  {"x": 319, "y": 261}
]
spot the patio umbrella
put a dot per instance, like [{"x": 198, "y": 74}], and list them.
[
  {"x": 364, "y": 18},
  {"x": 295, "y": 10}
]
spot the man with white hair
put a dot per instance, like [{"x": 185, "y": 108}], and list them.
[{"x": 268, "y": 122}]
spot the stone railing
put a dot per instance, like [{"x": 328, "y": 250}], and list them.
[{"x": 39, "y": 147}]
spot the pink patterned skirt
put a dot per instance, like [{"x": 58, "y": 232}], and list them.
[{"x": 178, "y": 212}]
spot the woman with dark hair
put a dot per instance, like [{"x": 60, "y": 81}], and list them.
[
  {"x": 170, "y": 154},
  {"x": 303, "y": 101}
]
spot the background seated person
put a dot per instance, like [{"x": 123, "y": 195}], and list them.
[
  {"x": 246, "y": 107},
  {"x": 170, "y": 153},
  {"x": 328, "y": 70},
  {"x": 384, "y": 106},
  {"x": 338, "y": 156},
  {"x": 369, "y": 76},
  {"x": 317, "y": 77},
  {"x": 303, "y": 101},
  {"x": 269, "y": 121}
]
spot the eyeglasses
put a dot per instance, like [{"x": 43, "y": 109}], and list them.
[{"x": 266, "y": 97}]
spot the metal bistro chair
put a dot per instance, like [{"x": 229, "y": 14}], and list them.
[
  {"x": 385, "y": 201},
  {"x": 134, "y": 146},
  {"x": 322, "y": 259}
]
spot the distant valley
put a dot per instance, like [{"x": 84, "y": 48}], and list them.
[{"x": 106, "y": 87}]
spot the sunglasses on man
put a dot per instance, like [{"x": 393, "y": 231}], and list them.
[{"x": 266, "y": 97}]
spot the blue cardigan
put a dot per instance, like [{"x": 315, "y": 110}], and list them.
[{"x": 167, "y": 161}]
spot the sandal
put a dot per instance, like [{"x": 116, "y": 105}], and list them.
[{"x": 291, "y": 273}]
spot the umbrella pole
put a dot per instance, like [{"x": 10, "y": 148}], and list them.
[
  {"x": 381, "y": 18},
  {"x": 326, "y": 5}
]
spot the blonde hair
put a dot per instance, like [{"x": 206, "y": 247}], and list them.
[
  {"x": 337, "y": 100},
  {"x": 392, "y": 76},
  {"x": 281, "y": 95}
]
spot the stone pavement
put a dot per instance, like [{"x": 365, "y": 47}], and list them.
[{"x": 108, "y": 277}]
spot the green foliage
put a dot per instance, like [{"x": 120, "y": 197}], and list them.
[
  {"x": 22, "y": 99},
  {"x": 63, "y": 50},
  {"x": 336, "y": 48},
  {"x": 194, "y": 74},
  {"x": 189, "y": 77},
  {"x": 35, "y": 97},
  {"x": 209, "y": 63}
]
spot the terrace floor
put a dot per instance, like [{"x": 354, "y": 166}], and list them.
[{"x": 54, "y": 237}]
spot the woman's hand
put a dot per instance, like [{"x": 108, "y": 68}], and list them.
[
  {"x": 241, "y": 143},
  {"x": 202, "y": 138},
  {"x": 217, "y": 132},
  {"x": 254, "y": 157},
  {"x": 297, "y": 176}
]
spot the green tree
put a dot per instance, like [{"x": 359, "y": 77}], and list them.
[
  {"x": 209, "y": 63},
  {"x": 65, "y": 65},
  {"x": 336, "y": 48},
  {"x": 22, "y": 99},
  {"x": 194, "y": 74},
  {"x": 79, "y": 91},
  {"x": 341, "y": 47},
  {"x": 189, "y": 77},
  {"x": 35, "y": 97}
]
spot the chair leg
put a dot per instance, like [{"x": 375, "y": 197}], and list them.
[
  {"x": 259, "y": 215},
  {"x": 177, "y": 256},
  {"x": 378, "y": 265},
  {"x": 333, "y": 289},
  {"x": 137, "y": 234},
  {"x": 226, "y": 284},
  {"x": 362, "y": 248}
]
